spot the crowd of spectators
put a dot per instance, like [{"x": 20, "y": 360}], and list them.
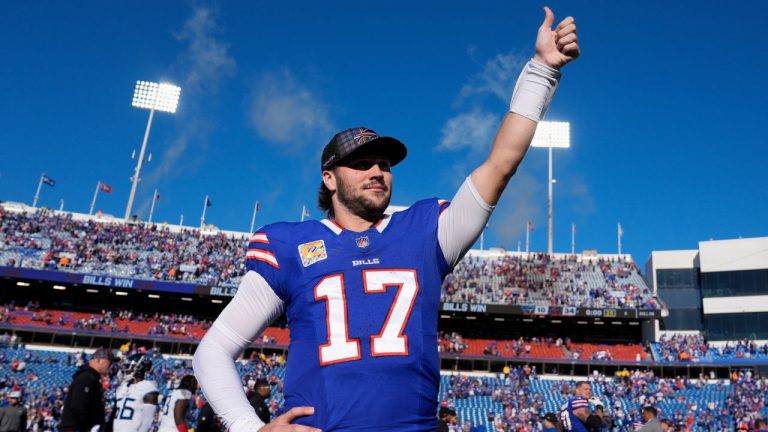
[
  {"x": 681, "y": 347},
  {"x": 44, "y": 399},
  {"x": 523, "y": 346},
  {"x": 520, "y": 407},
  {"x": 120, "y": 321},
  {"x": 683, "y": 404},
  {"x": 744, "y": 348},
  {"x": 646, "y": 389},
  {"x": 746, "y": 398},
  {"x": 518, "y": 397},
  {"x": 451, "y": 343},
  {"x": 694, "y": 348},
  {"x": 56, "y": 241},
  {"x": 670, "y": 347},
  {"x": 540, "y": 279},
  {"x": 43, "y": 402}
]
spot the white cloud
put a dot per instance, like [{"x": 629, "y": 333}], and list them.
[
  {"x": 285, "y": 111},
  {"x": 497, "y": 78},
  {"x": 473, "y": 130},
  {"x": 205, "y": 62},
  {"x": 206, "y": 57}
]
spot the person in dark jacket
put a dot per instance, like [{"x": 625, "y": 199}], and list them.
[
  {"x": 84, "y": 404},
  {"x": 261, "y": 392},
  {"x": 13, "y": 417},
  {"x": 206, "y": 420},
  {"x": 446, "y": 417}
]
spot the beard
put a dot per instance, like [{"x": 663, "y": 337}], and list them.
[{"x": 359, "y": 205}]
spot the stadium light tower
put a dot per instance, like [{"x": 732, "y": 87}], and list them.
[
  {"x": 551, "y": 135},
  {"x": 154, "y": 97}
]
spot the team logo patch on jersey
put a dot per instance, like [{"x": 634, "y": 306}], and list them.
[
  {"x": 362, "y": 242},
  {"x": 312, "y": 252}
]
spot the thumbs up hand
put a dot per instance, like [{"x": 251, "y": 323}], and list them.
[{"x": 557, "y": 47}]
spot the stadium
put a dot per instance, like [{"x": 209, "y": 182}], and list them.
[
  {"x": 517, "y": 329},
  {"x": 653, "y": 130}
]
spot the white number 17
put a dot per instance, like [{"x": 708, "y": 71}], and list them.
[{"x": 390, "y": 341}]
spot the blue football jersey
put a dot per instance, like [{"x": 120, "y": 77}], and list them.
[
  {"x": 570, "y": 421},
  {"x": 362, "y": 309}
]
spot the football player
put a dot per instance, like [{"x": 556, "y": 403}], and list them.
[
  {"x": 361, "y": 289},
  {"x": 136, "y": 399},
  {"x": 577, "y": 416},
  {"x": 174, "y": 413}
]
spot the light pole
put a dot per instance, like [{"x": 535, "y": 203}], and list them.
[
  {"x": 154, "y": 97},
  {"x": 152, "y": 207},
  {"x": 551, "y": 135}
]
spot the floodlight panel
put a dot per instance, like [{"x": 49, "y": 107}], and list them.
[
  {"x": 144, "y": 94},
  {"x": 167, "y": 98},
  {"x": 160, "y": 97},
  {"x": 555, "y": 134}
]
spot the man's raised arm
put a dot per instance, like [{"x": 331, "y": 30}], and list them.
[
  {"x": 464, "y": 220},
  {"x": 533, "y": 92}
]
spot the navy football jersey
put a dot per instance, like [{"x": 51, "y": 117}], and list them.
[{"x": 362, "y": 309}]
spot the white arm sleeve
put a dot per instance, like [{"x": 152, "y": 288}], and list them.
[
  {"x": 254, "y": 307},
  {"x": 462, "y": 222}
]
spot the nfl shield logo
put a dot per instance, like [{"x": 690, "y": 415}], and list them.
[{"x": 362, "y": 242}]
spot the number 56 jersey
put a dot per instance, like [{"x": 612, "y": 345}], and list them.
[{"x": 362, "y": 309}]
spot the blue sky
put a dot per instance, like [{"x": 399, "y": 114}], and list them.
[{"x": 667, "y": 108}]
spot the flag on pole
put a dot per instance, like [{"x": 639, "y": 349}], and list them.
[
  {"x": 208, "y": 202},
  {"x": 530, "y": 226},
  {"x": 258, "y": 207},
  {"x": 105, "y": 187},
  {"x": 157, "y": 196},
  {"x": 49, "y": 181},
  {"x": 621, "y": 231},
  {"x": 304, "y": 212}
]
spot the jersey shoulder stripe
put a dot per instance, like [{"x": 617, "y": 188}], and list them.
[
  {"x": 260, "y": 237},
  {"x": 579, "y": 402},
  {"x": 262, "y": 255}
]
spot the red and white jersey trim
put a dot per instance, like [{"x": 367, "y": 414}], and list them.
[
  {"x": 333, "y": 226},
  {"x": 264, "y": 256},
  {"x": 259, "y": 238},
  {"x": 382, "y": 224}
]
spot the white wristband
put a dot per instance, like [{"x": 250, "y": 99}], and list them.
[{"x": 534, "y": 90}]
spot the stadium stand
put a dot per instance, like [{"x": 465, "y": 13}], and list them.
[
  {"x": 187, "y": 327},
  {"x": 43, "y": 377},
  {"x": 513, "y": 400},
  {"x": 58, "y": 241},
  {"x": 674, "y": 348},
  {"x": 509, "y": 395},
  {"x": 540, "y": 280},
  {"x": 123, "y": 322},
  {"x": 694, "y": 348}
]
